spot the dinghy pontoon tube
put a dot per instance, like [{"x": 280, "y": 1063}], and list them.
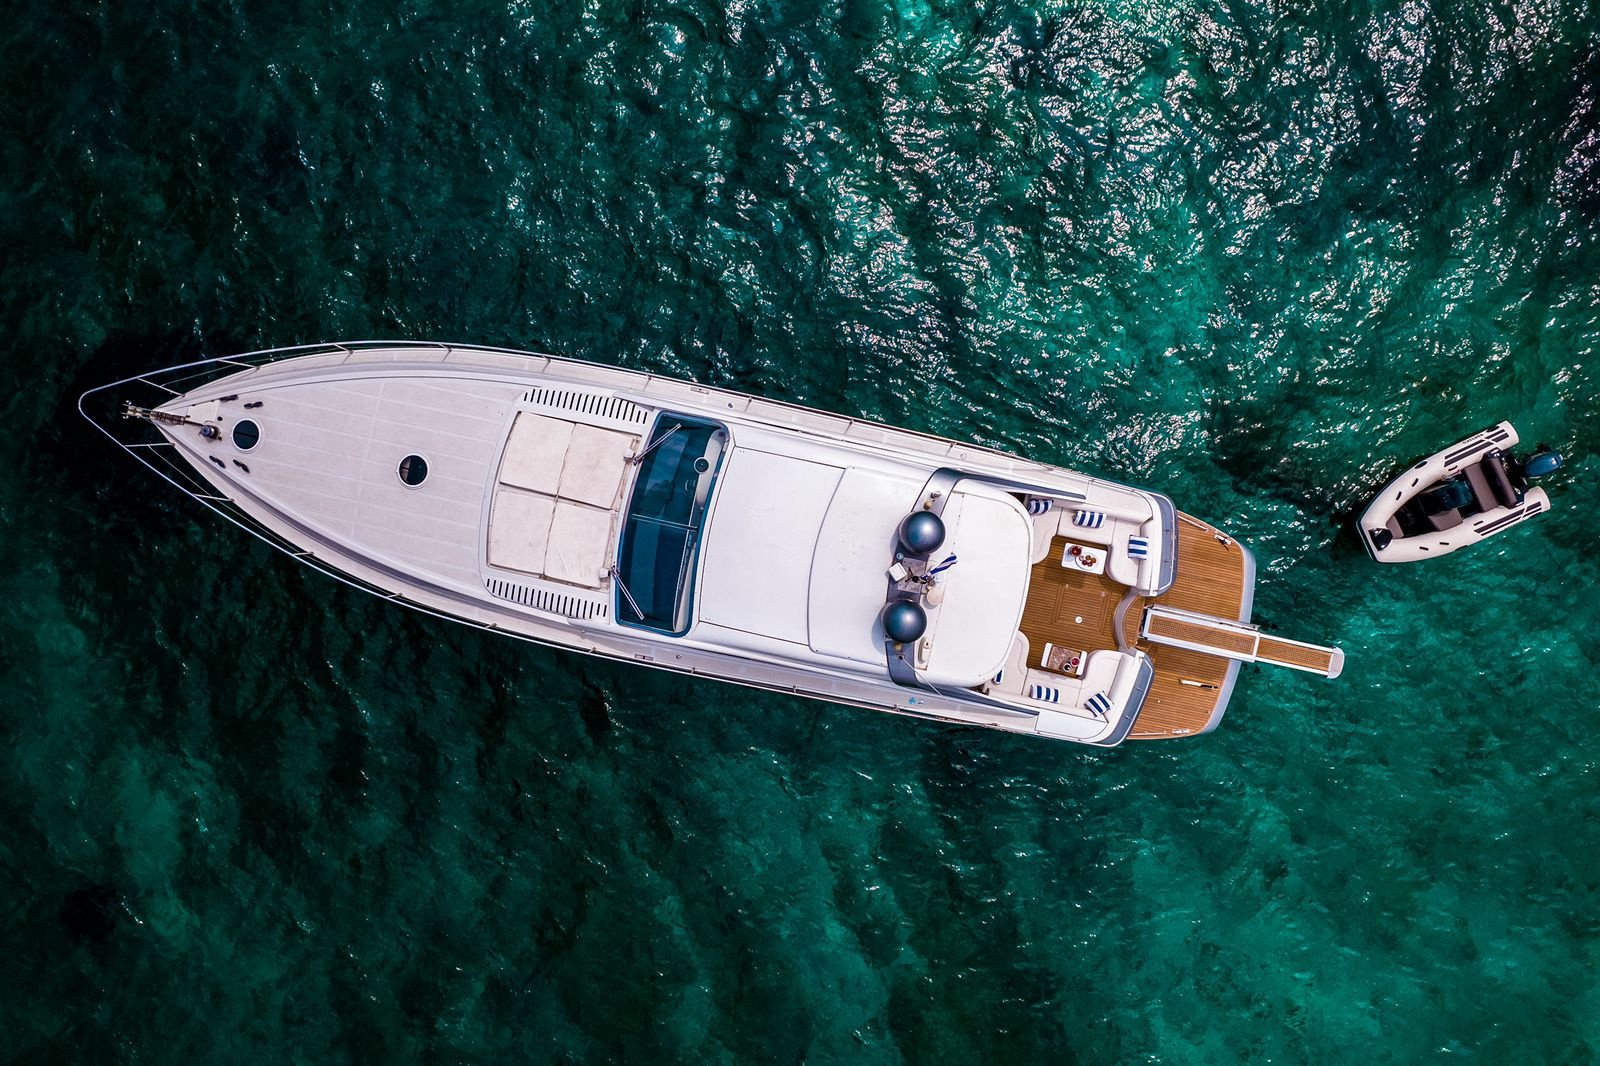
[{"x": 1466, "y": 493}]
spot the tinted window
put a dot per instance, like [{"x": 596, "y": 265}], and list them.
[{"x": 661, "y": 534}]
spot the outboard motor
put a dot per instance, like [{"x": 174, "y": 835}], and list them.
[{"x": 1541, "y": 463}]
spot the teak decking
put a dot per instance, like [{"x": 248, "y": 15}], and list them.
[
  {"x": 1078, "y": 610},
  {"x": 1291, "y": 653},
  {"x": 1228, "y": 640}
]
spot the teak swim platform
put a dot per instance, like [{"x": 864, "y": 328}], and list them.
[{"x": 714, "y": 533}]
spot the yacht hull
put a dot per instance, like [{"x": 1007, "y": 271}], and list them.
[{"x": 336, "y": 431}]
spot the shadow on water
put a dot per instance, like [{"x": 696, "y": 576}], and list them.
[{"x": 90, "y": 913}]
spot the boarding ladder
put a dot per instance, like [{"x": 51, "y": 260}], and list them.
[{"x": 1178, "y": 628}]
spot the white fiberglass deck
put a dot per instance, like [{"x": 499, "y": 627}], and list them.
[{"x": 329, "y": 455}]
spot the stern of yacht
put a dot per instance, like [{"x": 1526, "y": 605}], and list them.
[{"x": 1095, "y": 604}]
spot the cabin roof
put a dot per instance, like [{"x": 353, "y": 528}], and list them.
[{"x": 798, "y": 549}]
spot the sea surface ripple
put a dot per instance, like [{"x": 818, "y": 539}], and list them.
[{"x": 1252, "y": 253}]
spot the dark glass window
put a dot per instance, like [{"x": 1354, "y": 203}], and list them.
[
  {"x": 413, "y": 470},
  {"x": 246, "y": 435},
  {"x": 661, "y": 533}
]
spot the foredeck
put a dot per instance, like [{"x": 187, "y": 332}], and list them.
[
  {"x": 327, "y": 457},
  {"x": 1079, "y": 610}
]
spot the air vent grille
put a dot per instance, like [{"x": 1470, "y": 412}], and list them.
[
  {"x": 564, "y": 604},
  {"x": 593, "y": 404}
]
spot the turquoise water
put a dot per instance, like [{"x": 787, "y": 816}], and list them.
[{"x": 1253, "y": 254}]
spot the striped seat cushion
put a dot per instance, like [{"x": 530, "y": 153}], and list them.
[
  {"x": 1099, "y": 705},
  {"x": 1089, "y": 519},
  {"x": 1038, "y": 506},
  {"x": 1138, "y": 547},
  {"x": 1045, "y": 694}
]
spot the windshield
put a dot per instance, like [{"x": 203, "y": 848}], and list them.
[{"x": 661, "y": 533}]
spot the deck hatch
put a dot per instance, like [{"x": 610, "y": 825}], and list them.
[
  {"x": 413, "y": 471},
  {"x": 246, "y": 434}
]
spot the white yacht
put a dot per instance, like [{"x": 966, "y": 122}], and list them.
[{"x": 709, "y": 532}]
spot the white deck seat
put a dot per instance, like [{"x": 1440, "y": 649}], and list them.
[
  {"x": 555, "y": 508},
  {"x": 1059, "y": 692},
  {"x": 580, "y": 539},
  {"x": 1044, "y": 529},
  {"x": 595, "y": 462},
  {"x": 534, "y": 452},
  {"x": 519, "y": 530},
  {"x": 1057, "y": 522},
  {"x": 1089, "y": 696},
  {"x": 1100, "y": 672},
  {"x": 1013, "y": 674},
  {"x": 1116, "y": 525},
  {"x": 1127, "y": 563},
  {"x": 1104, "y": 536}
]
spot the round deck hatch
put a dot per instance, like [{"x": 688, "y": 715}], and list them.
[
  {"x": 413, "y": 470},
  {"x": 246, "y": 435}
]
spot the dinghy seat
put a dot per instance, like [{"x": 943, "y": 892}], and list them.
[
  {"x": 1502, "y": 490},
  {"x": 1484, "y": 486}
]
